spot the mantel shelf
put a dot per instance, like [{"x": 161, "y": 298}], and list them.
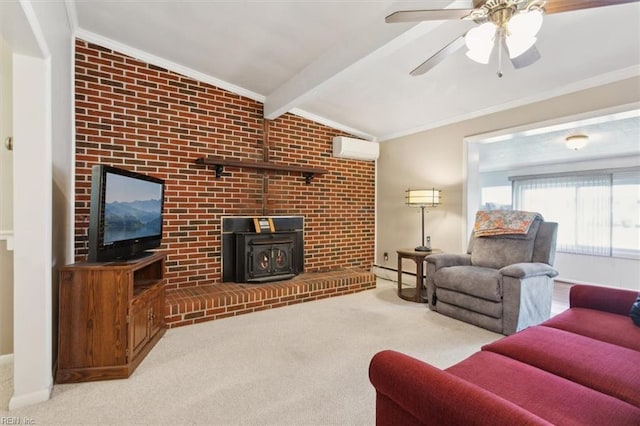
[{"x": 219, "y": 163}]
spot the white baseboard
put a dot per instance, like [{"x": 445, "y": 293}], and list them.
[
  {"x": 6, "y": 359},
  {"x": 408, "y": 279},
  {"x": 31, "y": 398}
]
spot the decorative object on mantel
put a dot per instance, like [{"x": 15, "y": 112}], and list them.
[
  {"x": 423, "y": 198},
  {"x": 263, "y": 224},
  {"x": 219, "y": 163}
]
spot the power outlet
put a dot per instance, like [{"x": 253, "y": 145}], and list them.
[{"x": 385, "y": 256}]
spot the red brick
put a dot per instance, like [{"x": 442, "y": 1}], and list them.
[{"x": 145, "y": 128}]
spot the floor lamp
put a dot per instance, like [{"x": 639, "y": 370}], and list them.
[{"x": 423, "y": 198}]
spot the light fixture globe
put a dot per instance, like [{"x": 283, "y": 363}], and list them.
[
  {"x": 480, "y": 41},
  {"x": 525, "y": 24},
  {"x": 511, "y": 24},
  {"x": 517, "y": 45},
  {"x": 576, "y": 142},
  {"x": 522, "y": 30}
]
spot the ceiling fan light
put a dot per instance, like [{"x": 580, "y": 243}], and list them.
[
  {"x": 480, "y": 56},
  {"x": 517, "y": 45},
  {"x": 525, "y": 24},
  {"x": 480, "y": 37},
  {"x": 480, "y": 42}
]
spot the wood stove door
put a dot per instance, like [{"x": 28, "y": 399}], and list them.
[
  {"x": 282, "y": 258},
  {"x": 268, "y": 258},
  {"x": 259, "y": 261}
]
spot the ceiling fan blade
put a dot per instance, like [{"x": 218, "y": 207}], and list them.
[
  {"x": 527, "y": 58},
  {"x": 558, "y": 6},
  {"x": 439, "y": 57},
  {"x": 426, "y": 15}
]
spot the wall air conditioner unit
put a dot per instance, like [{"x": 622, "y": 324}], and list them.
[{"x": 357, "y": 149}]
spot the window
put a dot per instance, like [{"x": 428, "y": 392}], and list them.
[
  {"x": 496, "y": 197},
  {"x": 626, "y": 215},
  {"x": 598, "y": 213}
]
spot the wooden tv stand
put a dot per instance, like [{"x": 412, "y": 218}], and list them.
[{"x": 110, "y": 317}]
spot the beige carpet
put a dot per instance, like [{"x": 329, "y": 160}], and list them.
[
  {"x": 6, "y": 381},
  {"x": 305, "y": 364}
]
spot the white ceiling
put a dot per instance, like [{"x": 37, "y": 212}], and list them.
[
  {"x": 610, "y": 136},
  {"x": 338, "y": 62}
]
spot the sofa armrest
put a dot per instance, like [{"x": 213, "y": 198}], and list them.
[
  {"x": 444, "y": 260},
  {"x": 410, "y": 389},
  {"x": 614, "y": 300},
  {"x": 528, "y": 269}
]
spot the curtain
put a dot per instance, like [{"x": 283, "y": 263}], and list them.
[{"x": 581, "y": 204}]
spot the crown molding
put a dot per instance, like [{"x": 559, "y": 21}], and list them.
[
  {"x": 197, "y": 75},
  {"x": 164, "y": 63}
]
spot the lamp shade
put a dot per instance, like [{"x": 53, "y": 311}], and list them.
[{"x": 422, "y": 197}]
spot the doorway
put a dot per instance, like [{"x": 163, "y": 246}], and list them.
[{"x": 6, "y": 227}]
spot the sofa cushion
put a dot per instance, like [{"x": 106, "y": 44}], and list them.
[
  {"x": 473, "y": 280},
  {"x": 602, "y": 366},
  {"x": 546, "y": 395},
  {"x": 598, "y": 325},
  {"x": 635, "y": 312}
]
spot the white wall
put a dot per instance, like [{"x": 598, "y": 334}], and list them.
[
  {"x": 6, "y": 203},
  {"x": 607, "y": 271},
  {"x": 32, "y": 224},
  {"x": 39, "y": 35},
  {"x": 438, "y": 157}
]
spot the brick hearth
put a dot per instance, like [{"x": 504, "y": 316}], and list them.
[{"x": 190, "y": 305}]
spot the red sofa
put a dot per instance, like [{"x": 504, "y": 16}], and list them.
[{"x": 580, "y": 367}]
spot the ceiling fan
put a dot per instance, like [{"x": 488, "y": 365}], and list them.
[{"x": 508, "y": 26}]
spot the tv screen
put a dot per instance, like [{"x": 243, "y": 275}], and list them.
[{"x": 126, "y": 213}]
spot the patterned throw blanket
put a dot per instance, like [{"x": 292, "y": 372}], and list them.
[{"x": 502, "y": 222}]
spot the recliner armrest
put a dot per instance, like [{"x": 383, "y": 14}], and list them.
[
  {"x": 524, "y": 270},
  {"x": 444, "y": 260}
]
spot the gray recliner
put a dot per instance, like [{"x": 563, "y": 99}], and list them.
[{"x": 504, "y": 283}]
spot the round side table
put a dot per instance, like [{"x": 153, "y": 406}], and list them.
[{"x": 413, "y": 294}]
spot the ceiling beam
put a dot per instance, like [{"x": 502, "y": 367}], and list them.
[{"x": 367, "y": 44}]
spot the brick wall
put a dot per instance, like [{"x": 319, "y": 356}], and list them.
[{"x": 140, "y": 117}]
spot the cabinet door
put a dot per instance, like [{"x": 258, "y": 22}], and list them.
[
  {"x": 92, "y": 318},
  {"x": 156, "y": 311},
  {"x": 138, "y": 325}
]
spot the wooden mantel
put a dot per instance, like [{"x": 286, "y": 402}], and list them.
[{"x": 219, "y": 163}]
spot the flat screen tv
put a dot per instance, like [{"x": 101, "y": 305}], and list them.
[{"x": 126, "y": 214}]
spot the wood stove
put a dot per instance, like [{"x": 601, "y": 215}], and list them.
[
  {"x": 265, "y": 257},
  {"x": 254, "y": 255}
]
